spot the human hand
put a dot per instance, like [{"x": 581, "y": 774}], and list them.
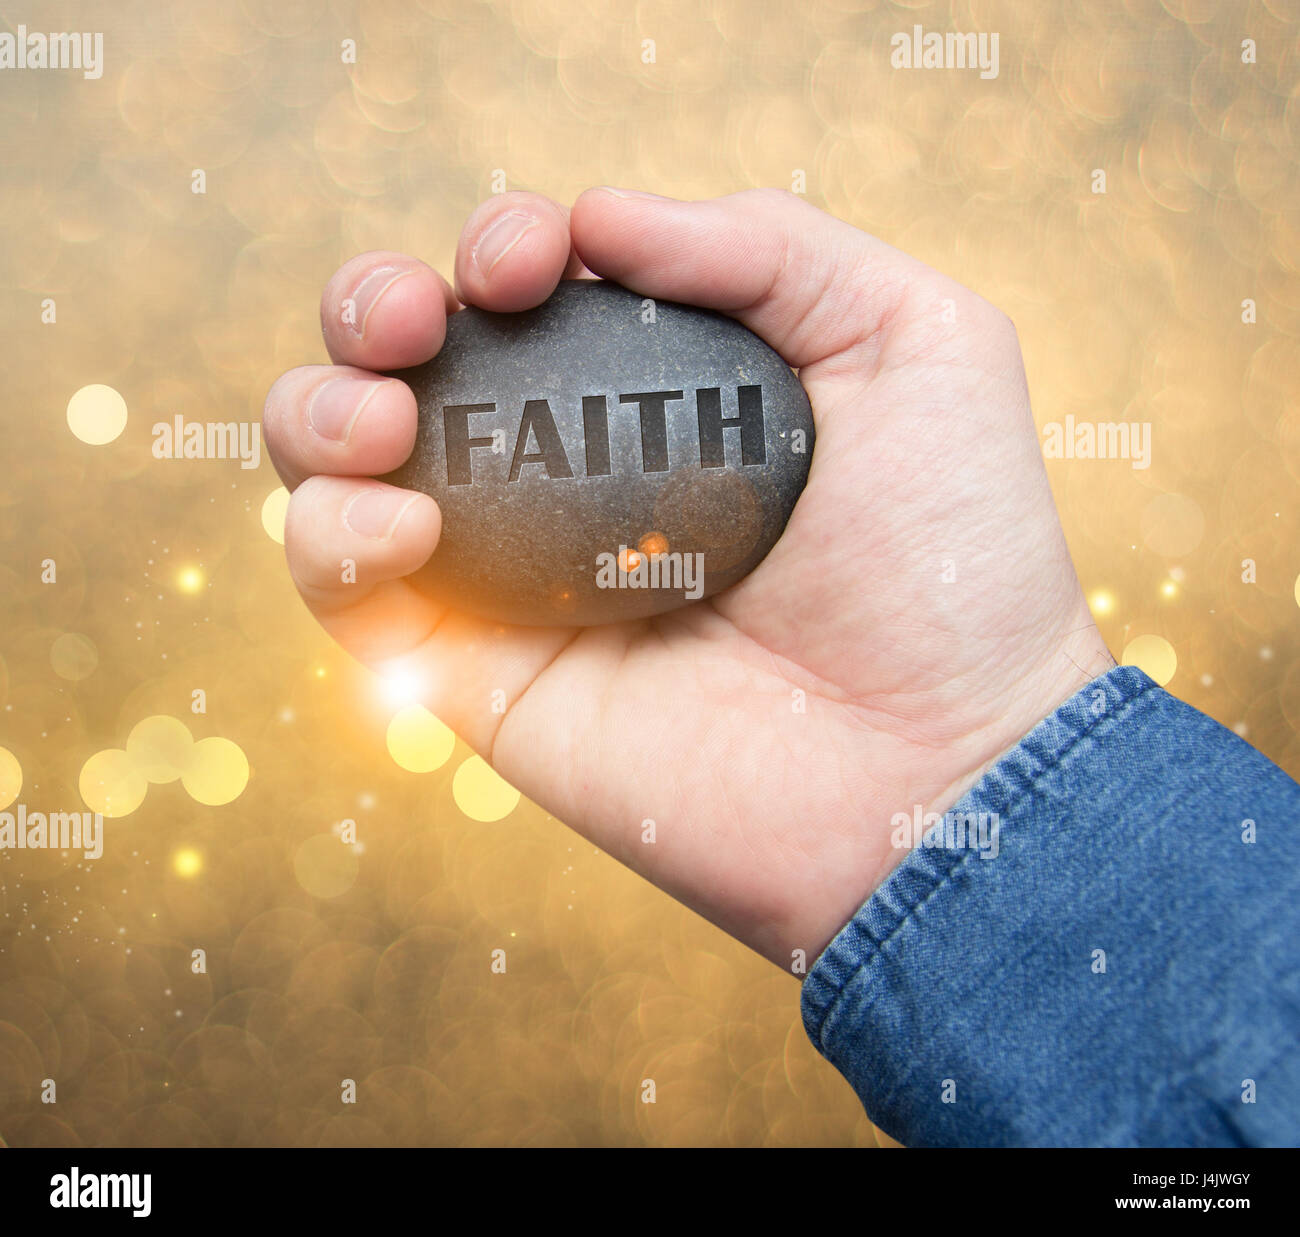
[{"x": 922, "y": 597}]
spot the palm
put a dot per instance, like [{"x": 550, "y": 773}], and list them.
[{"x": 873, "y": 662}]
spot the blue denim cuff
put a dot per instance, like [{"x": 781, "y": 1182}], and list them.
[{"x": 1121, "y": 971}]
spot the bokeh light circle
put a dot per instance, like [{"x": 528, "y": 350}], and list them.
[
  {"x": 96, "y": 414},
  {"x": 481, "y": 792},
  {"x": 325, "y": 866},
  {"x": 273, "y": 512},
  {"x": 74, "y": 657},
  {"x": 11, "y": 777},
  {"x": 217, "y": 772},
  {"x": 418, "y": 741},
  {"x": 1154, "y": 656},
  {"x": 111, "y": 784},
  {"x": 160, "y": 747}
]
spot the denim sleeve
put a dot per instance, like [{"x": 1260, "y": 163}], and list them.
[{"x": 1123, "y": 971}]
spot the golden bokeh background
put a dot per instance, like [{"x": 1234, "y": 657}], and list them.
[{"x": 346, "y": 864}]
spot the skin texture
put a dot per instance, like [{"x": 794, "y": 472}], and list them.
[{"x": 772, "y": 822}]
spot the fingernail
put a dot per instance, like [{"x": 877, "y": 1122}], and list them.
[
  {"x": 633, "y": 193},
  {"x": 376, "y": 513},
  {"x": 337, "y": 404},
  {"x": 501, "y": 236},
  {"x": 365, "y": 296}
]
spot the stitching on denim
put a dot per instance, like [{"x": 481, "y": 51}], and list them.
[
  {"x": 944, "y": 877},
  {"x": 1034, "y": 779}
]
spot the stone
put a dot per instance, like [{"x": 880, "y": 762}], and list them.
[{"x": 602, "y": 457}]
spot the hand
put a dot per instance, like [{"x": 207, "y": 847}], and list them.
[{"x": 922, "y": 597}]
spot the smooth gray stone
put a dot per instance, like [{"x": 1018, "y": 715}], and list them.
[{"x": 553, "y": 437}]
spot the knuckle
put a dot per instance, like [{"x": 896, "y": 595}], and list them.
[
  {"x": 991, "y": 321},
  {"x": 1003, "y": 328},
  {"x": 773, "y": 195}
]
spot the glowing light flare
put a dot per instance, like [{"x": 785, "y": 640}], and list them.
[
  {"x": 402, "y": 683},
  {"x": 652, "y": 545},
  {"x": 187, "y": 862},
  {"x": 190, "y": 580},
  {"x": 1101, "y": 601}
]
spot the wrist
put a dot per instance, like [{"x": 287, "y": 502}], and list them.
[{"x": 1080, "y": 657}]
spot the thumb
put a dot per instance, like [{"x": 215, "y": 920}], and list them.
[{"x": 811, "y": 285}]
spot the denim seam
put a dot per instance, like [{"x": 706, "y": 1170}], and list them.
[{"x": 943, "y": 878}]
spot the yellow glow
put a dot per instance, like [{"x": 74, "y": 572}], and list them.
[
  {"x": 390, "y": 982},
  {"x": 1169, "y": 589},
  {"x": 400, "y": 684},
  {"x": 189, "y": 579},
  {"x": 482, "y": 793},
  {"x": 11, "y": 777},
  {"x": 96, "y": 414},
  {"x": 160, "y": 747},
  {"x": 111, "y": 784},
  {"x": 187, "y": 862},
  {"x": 273, "y": 513},
  {"x": 418, "y": 741},
  {"x": 1154, "y": 656},
  {"x": 217, "y": 772},
  {"x": 1101, "y": 602}
]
